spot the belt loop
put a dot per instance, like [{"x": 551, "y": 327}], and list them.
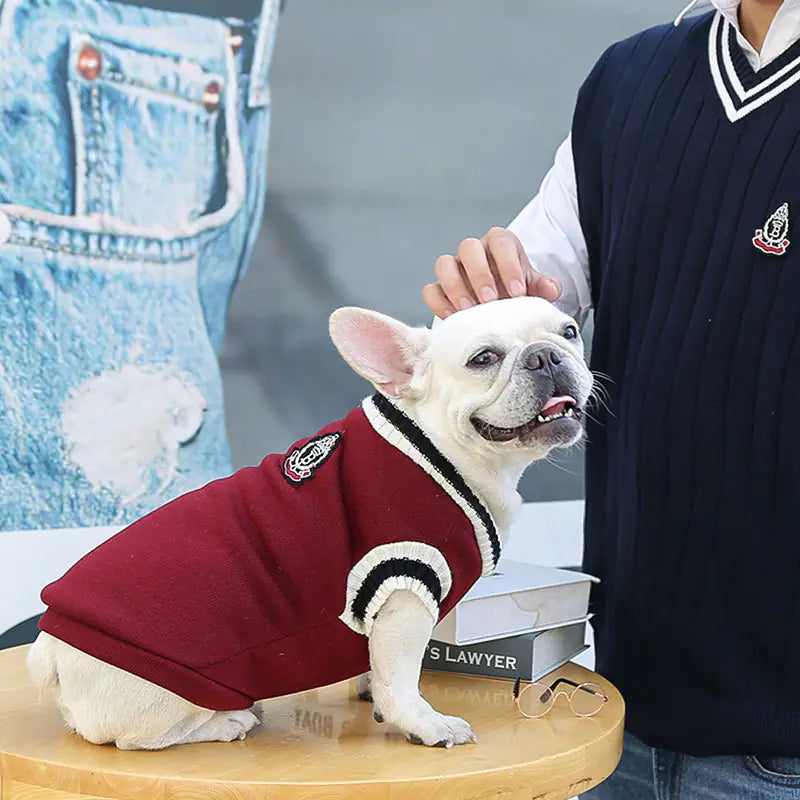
[
  {"x": 258, "y": 93},
  {"x": 8, "y": 9}
]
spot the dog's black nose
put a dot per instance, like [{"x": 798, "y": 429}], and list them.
[{"x": 542, "y": 359}]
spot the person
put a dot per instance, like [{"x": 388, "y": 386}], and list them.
[
  {"x": 133, "y": 153},
  {"x": 671, "y": 212}
]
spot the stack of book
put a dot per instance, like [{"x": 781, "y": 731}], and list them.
[{"x": 523, "y": 621}]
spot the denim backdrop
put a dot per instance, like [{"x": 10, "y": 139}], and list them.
[{"x": 133, "y": 152}]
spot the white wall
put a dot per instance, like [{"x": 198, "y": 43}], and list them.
[
  {"x": 32, "y": 559},
  {"x": 551, "y": 533}
]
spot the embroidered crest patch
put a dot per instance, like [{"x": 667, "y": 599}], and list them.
[
  {"x": 773, "y": 238},
  {"x": 301, "y": 464}
]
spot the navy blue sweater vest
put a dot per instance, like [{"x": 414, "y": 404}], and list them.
[{"x": 693, "y": 478}]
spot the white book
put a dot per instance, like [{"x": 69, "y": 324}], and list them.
[{"x": 517, "y": 598}]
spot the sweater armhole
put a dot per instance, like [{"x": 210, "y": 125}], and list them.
[{"x": 413, "y": 566}]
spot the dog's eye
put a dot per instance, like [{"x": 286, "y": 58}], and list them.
[
  {"x": 484, "y": 359},
  {"x": 570, "y": 332}
]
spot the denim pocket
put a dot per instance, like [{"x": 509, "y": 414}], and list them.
[
  {"x": 147, "y": 131},
  {"x": 783, "y": 771}
]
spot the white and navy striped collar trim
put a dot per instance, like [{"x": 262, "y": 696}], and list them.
[
  {"x": 403, "y": 433},
  {"x": 740, "y": 88}
]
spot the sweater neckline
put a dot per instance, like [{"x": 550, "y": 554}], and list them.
[
  {"x": 740, "y": 88},
  {"x": 400, "y": 431}
]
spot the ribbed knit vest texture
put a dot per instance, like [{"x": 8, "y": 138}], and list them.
[{"x": 693, "y": 474}]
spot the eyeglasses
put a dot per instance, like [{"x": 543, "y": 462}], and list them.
[{"x": 536, "y": 699}]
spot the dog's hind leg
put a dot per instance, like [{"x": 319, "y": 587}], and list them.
[
  {"x": 220, "y": 726},
  {"x": 105, "y": 704},
  {"x": 224, "y": 726},
  {"x": 177, "y": 734}
]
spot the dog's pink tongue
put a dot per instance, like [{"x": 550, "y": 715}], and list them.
[{"x": 555, "y": 405}]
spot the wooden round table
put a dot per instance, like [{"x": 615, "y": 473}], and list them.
[{"x": 319, "y": 744}]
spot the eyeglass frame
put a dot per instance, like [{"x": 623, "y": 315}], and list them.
[{"x": 517, "y": 694}]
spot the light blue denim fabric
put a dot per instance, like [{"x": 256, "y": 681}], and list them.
[
  {"x": 129, "y": 206},
  {"x": 645, "y": 773}
]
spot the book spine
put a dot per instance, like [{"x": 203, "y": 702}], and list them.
[{"x": 503, "y": 658}]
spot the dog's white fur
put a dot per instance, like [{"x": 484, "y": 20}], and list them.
[{"x": 426, "y": 373}]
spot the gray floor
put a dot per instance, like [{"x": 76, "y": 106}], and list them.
[{"x": 398, "y": 129}]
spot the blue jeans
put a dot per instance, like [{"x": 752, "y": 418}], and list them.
[
  {"x": 645, "y": 773},
  {"x": 133, "y": 153}
]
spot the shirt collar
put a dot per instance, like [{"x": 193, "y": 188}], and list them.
[{"x": 783, "y": 33}]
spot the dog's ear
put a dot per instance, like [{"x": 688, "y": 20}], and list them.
[{"x": 379, "y": 348}]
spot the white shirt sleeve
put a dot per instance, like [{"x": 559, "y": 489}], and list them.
[{"x": 550, "y": 231}]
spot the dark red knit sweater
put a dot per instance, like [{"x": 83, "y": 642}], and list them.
[{"x": 263, "y": 583}]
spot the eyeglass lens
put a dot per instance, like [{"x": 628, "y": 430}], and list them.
[
  {"x": 587, "y": 699},
  {"x": 536, "y": 700}
]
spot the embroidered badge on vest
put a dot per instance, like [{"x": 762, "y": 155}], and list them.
[
  {"x": 301, "y": 464},
  {"x": 772, "y": 239}
]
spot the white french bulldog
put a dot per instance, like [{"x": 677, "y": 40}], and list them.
[{"x": 494, "y": 388}]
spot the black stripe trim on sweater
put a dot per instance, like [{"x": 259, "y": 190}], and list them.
[
  {"x": 412, "y": 432},
  {"x": 392, "y": 568}
]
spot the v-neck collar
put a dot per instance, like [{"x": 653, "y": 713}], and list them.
[
  {"x": 740, "y": 88},
  {"x": 402, "y": 432}
]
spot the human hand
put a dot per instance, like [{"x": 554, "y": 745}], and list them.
[{"x": 486, "y": 269}]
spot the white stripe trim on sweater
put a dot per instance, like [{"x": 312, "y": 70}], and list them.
[{"x": 720, "y": 27}]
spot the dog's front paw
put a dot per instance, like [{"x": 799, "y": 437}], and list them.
[
  {"x": 421, "y": 724},
  {"x": 442, "y": 731}
]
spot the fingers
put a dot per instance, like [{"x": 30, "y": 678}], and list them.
[
  {"x": 484, "y": 270},
  {"x": 462, "y": 281},
  {"x": 546, "y": 286},
  {"x": 509, "y": 260},
  {"x": 453, "y": 282},
  {"x": 474, "y": 260},
  {"x": 515, "y": 271},
  {"x": 437, "y": 301}
]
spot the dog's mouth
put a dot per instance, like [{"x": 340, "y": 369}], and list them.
[{"x": 555, "y": 411}]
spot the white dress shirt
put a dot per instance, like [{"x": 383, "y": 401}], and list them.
[
  {"x": 782, "y": 34},
  {"x": 549, "y": 226}
]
